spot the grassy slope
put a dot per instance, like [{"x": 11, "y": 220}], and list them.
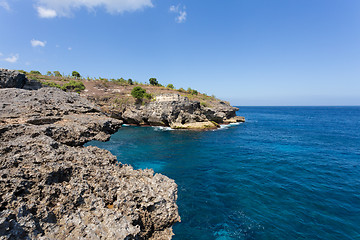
[{"x": 114, "y": 93}]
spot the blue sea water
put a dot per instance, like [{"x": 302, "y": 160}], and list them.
[{"x": 287, "y": 173}]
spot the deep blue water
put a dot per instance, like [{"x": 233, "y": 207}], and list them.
[{"x": 287, "y": 173}]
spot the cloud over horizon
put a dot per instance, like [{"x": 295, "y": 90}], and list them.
[
  {"x": 13, "y": 58},
  {"x": 181, "y": 11},
  {"x": 37, "y": 43},
  {"x": 65, "y": 8}
]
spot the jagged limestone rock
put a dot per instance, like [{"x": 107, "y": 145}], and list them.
[
  {"x": 11, "y": 79},
  {"x": 178, "y": 112},
  {"x": 51, "y": 187}
]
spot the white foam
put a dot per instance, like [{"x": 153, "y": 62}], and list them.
[
  {"x": 228, "y": 125},
  {"x": 126, "y": 125},
  {"x": 159, "y": 128}
]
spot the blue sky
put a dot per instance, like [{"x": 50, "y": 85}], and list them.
[{"x": 250, "y": 52}]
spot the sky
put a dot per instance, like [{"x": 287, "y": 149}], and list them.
[{"x": 249, "y": 52}]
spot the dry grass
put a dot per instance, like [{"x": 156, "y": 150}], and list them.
[{"x": 117, "y": 93}]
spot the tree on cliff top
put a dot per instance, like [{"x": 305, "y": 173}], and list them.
[
  {"x": 75, "y": 74},
  {"x": 153, "y": 82}
]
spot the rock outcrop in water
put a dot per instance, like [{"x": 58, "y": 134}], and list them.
[
  {"x": 178, "y": 112},
  {"x": 51, "y": 187}
]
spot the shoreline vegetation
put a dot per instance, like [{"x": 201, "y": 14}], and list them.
[{"x": 145, "y": 104}]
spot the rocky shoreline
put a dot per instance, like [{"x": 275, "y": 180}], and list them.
[
  {"x": 178, "y": 112},
  {"x": 51, "y": 187}
]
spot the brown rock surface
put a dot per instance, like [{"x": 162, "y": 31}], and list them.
[{"x": 51, "y": 187}]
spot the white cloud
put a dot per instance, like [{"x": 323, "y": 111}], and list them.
[
  {"x": 69, "y": 48},
  {"x": 5, "y": 5},
  {"x": 53, "y": 8},
  {"x": 37, "y": 43},
  {"x": 181, "y": 11},
  {"x": 12, "y": 59},
  {"x": 174, "y": 8},
  {"x": 1, "y": 54},
  {"x": 46, "y": 12}
]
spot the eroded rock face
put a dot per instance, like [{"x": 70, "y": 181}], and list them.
[
  {"x": 11, "y": 79},
  {"x": 179, "y": 112},
  {"x": 53, "y": 188}
]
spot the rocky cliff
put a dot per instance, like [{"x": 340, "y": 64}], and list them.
[
  {"x": 11, "y": 79},
  {"x": 178, "y": 109},
  {"x": 51, "y": 187},
  {"x": 178, "y": 112}
]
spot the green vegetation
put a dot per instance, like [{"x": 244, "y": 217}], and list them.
[
  {"x": 73, "y": 86},
  {"x": 75, "y": 74},
  {"x": 192, "y": 91},
  {"x": 148, "y": 95},
  {"x": 22, "y": 71},
  {"x": 153, "y": 82},
  {"x": 52, "y": 84},
  {"x": 120, "y": 91},
  {"x": 138, "y": 93},
  {"x": 57, "y": 74}
]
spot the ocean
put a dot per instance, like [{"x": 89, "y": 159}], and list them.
[{"x": 286, "y": 173}]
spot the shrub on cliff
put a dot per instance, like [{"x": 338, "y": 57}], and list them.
[
  {"x": 74, "y": 86},
  {"x": 120, "y": 81},
  {"x": 138, "y": 93},
  {"x": 130, "y": 81},
  {"x": 153, "y": 82},
  {"x": 148, "y": 95},
  {"x": 35, "y": 72},
  {"x": 75, "y": 74},
  {"x": 170, "y": 86},
  {"x": 57, "y": 74},
  {"x": 52, "y": 84},
  {"x": 192, "y": 91}
]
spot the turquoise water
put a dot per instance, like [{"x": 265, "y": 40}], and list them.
[{"x": 287, "y": 173}]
